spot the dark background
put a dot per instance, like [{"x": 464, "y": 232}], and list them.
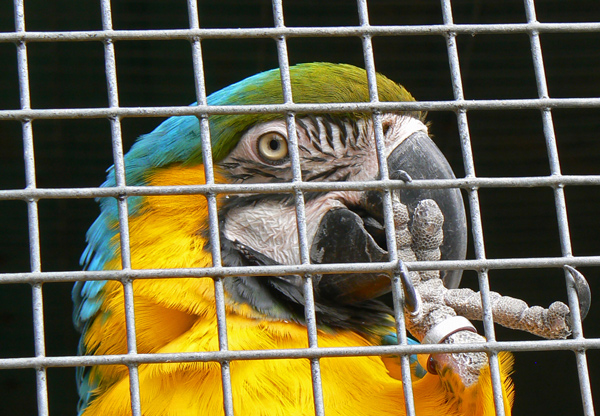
[{"x": 516, "y": 222}]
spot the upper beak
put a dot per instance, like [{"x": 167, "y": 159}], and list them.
[
  {"x": 421, "y": 159},
  {"x": 356, "y": 234}
]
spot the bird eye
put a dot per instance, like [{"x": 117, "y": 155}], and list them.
[{"x": 272, "y": 146}]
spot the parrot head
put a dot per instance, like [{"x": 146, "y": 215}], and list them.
[
  {"x": 342, "y": 226},
  {"x": 261, "y": 229}
]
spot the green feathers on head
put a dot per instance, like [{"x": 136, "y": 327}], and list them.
[
  {"x": 313, "y": 83},
  {"x": 177, "y": 140}
]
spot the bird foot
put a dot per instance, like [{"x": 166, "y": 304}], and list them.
[{"x": 428, "y": 302}]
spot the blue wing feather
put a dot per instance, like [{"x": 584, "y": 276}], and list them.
[
  {"x": 169, "y": 142},
  {"x": 176, "y": 140},
  {"x": 417, "y": 369}
]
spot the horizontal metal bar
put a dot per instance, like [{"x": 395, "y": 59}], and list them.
[
  {"x": 322, "y": 352},
  {"x": 282, "y": 270},
  {"x": 463, "y": 183},
  {"x": 292, "y": 32},
  {"x": 452, "y": 105},
  {"x": 280, "y": 32}
]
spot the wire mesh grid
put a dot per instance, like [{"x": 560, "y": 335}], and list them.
[{"x": 281, "y": 34}]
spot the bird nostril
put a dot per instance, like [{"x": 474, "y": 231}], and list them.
[{"x": 386, "y": 126}]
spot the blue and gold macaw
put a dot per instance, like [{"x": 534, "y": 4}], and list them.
[{"x": 178, "y": 314}]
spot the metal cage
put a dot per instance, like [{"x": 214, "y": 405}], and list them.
[{"x": 460, "y": 105}]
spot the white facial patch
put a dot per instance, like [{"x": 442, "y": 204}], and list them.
[
  {"x": 269, "y": 226},
  {"x": 400, "y": 128}
]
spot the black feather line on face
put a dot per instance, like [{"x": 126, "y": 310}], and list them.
[
  {"x": 260, "y": 166},
  {"x": 325, "y": 174},
  {"x": 318, "y": 147},
  {"x": 230, "y": 165},
  {"x": 345, "y": 177},
  {"x": 355, "y": 134},
  {"x": 260, "y": 172},
  {"x": 314, "y": 159},
  {"x": 242, "y": 177},
  {"x": 300, "y": 123},
  {"x": 343, "y": 134},
  {"x": 318, "y": 123},
  {"x": 306, "y": 150},
  {"x": 329, "y": 134}
]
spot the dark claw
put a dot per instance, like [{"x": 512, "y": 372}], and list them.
[
  {"x": 584, "y": 294},
  {"x": 401, "y": 175},
  {"x": 412, "y": 300}
]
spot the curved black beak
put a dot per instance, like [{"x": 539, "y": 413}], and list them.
[
  {"x": 420, "y": 158},
  {"x": 356, "y": 234}
]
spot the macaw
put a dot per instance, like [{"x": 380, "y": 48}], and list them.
[{"x": 171, "y": 231}]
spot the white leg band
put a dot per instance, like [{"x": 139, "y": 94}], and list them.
[{"x": 447, "y": 327}]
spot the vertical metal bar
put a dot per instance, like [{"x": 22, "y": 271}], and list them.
[
  {"x": 32, "y": 213},
  {"x": 110, "y": 63},
  {"x": 367, "y": 45},
  {"x": 561, "y": 208},
  {"x": 119, "y": 166},
  {"x": 309, "y": 309},
  {"x": 213, "y": 219},
  {"x": 474, "y": 206}
]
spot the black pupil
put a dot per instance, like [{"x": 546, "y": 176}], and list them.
[{"x": 274, "y": 144}]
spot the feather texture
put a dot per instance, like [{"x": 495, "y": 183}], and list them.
[{"x": 178, "y": 315}]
